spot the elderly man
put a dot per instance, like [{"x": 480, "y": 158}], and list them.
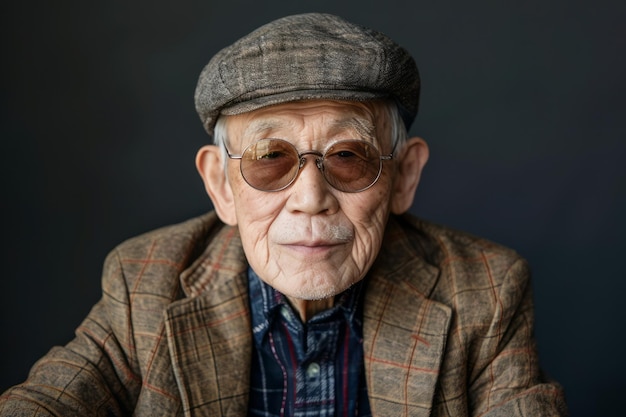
[{"x": 308, "y": 291}]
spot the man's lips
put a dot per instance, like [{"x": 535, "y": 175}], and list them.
[
  {"x": 317, "y": 237},
  {"x": 313, "y": 247},
  {"x": 314, "y": 243}
]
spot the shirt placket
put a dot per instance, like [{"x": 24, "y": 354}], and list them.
[{"x": 316, "y": 372}]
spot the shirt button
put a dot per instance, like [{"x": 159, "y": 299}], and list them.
[
  {"x": 313, "y": 370},
  {"x": 284, "y": 311}
]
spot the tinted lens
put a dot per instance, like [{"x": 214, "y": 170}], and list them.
[
  {"x": 269, "y": 164},
  {"x": 352, "y": 165}
]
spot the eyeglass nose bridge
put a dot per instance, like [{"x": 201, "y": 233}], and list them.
[{"x": 319, "y": 159}]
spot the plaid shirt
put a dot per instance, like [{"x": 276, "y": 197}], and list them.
[{"x": 311, "y": 369}]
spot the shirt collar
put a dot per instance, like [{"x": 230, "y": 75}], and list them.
[{"x": 266, "y": 304}]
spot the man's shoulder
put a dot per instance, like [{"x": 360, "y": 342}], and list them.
[
  {"x": 172, "y": 241},
  {"x": 440, "y": 243},
  {"x": 461, "y": 270},
  {"x": 158, "y": 257},
  {"x": 459, "y": 255}
]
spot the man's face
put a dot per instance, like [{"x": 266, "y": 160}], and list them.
[{"x": 311, "y": 241}]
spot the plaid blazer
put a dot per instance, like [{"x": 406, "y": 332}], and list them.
[{"x": 448, "y": 324}]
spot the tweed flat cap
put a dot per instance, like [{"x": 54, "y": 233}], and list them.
[{"x": 303, "y": 57}]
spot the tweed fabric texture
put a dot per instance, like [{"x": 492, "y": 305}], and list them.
[
  {"x": 307, "y": 56},
  {"x": 447, "y": 328}
]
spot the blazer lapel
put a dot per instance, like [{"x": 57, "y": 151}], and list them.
[
  {"x": 209, "y": 334},
  {"x": 404, "y": 332}
]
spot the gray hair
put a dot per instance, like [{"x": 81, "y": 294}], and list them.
[{"x": 397, "y": 130}]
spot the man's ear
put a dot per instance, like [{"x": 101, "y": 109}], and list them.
[
  {"x": 211, "y": 168},
  {"x": 410, "y": 167}
]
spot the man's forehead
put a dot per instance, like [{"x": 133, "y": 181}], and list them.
[{"x": 331, "y": 116}]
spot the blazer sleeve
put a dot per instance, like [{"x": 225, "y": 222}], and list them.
[
  {"x": 93, "y": 375},
  {"x": 505, "y": 379}
]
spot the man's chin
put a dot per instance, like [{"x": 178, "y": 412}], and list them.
[{"x": 309, "y": 290}]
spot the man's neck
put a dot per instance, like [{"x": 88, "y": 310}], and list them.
[{"x": 308, "y": 308}]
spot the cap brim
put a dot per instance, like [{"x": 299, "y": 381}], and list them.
[{"x": 299, "y": 95}]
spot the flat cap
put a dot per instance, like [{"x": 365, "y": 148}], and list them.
[{"x": 303, "y": 57}]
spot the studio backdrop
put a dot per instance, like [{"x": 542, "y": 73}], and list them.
[{"x": 522, "y": 106}]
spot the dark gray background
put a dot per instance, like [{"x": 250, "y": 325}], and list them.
[{"x": 522, "y": 104}]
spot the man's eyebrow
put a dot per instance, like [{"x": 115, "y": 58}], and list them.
[
  {"x": 261, "y": 126},
  {"x": 363, "y": 127}
]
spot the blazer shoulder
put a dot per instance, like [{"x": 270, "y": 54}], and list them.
[
  {"x": 441, "y": 243},
  {"x": 179, "y": 237},
  {"x": 465, "y": 261},
  {"x": 155, "y": 259}
]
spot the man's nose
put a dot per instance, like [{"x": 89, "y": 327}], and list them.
[{"x": 310, "y": 192}]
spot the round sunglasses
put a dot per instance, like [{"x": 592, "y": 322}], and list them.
[{"x": 349, "y": 166}]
